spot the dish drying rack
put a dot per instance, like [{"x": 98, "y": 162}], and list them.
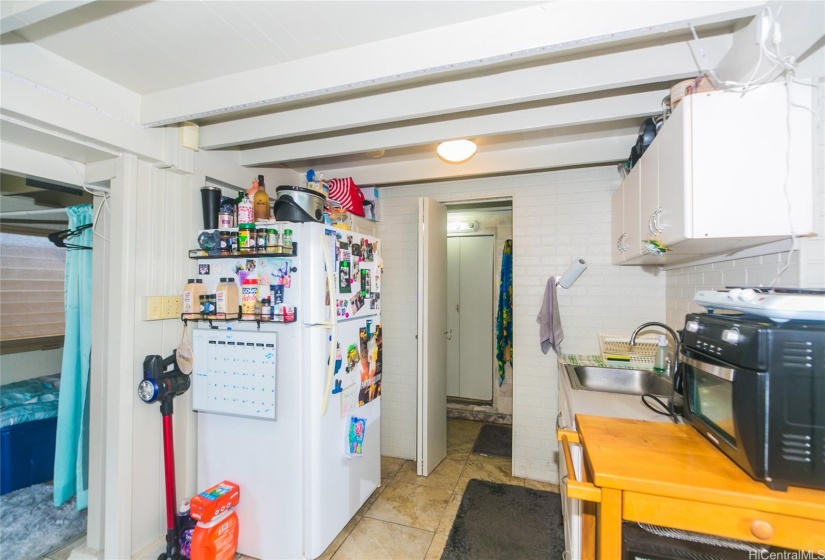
[{"x": 617, "y": 348}]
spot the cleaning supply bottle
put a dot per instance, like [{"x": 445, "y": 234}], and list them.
[
  {"x": 216, "y": 539},
  {"x": 660, "y": 362},
  {"x": 186, "y": 526}
]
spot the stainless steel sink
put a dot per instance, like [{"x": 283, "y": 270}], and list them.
[{"x": 614, "y": 380}]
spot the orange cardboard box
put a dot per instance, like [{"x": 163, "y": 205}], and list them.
[{"x": 214, "y": 501}]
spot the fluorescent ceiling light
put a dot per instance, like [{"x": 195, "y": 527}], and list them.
[{"x": 456, "y": 151}]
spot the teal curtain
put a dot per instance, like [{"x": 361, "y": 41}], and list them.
[
  {"x": 71, "y": 460},
  {"x": 504, "y": 315}
]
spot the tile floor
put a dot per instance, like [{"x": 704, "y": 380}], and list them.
[{"x": 409, "y": 517}]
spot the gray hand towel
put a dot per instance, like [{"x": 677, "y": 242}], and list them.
[{"x": 550, "y": 332}]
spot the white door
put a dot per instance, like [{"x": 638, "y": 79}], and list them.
[
  {"x": 470, "y": 317},
  {"x": 432, "y": 335},
  {"x": 477, "y": 317},
  {"x": 453, "y": 317}
]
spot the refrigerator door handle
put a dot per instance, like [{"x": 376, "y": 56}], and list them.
[{"x": 333, "y": 320}]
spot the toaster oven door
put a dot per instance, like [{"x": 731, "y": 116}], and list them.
[{"x": 710, "y": 398}]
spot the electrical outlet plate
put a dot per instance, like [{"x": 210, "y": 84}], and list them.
[
  {"x": 153, "y": 308},
  {"x": 171, "y": 307}
]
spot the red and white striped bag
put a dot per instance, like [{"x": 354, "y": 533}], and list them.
[{"x": 348, "y": 194}]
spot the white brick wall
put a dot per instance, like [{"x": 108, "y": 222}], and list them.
[
  {"x": 557, "y": 217},
  {"x": 683, "y": 283}
]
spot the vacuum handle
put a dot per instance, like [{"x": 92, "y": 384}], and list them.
[{"x": 154, "y": 366}]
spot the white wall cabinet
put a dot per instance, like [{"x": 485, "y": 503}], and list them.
[{"x": 721, "y": 175}]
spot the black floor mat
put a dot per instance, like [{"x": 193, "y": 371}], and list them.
[
  {"x": 494, "y": 439},
  {"x": 498, "y": 521}
]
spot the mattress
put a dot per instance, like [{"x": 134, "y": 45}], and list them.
[
  {"x": 29, "y": 400},
  {"x": 28, "y": 425}
]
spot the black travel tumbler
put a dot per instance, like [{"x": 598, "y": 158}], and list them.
[{"x": 211, "y": 198}]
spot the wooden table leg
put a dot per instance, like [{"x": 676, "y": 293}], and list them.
[{"x": 610, "y": 524}]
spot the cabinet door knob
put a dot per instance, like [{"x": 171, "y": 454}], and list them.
[{"x": 761, "y": 529}]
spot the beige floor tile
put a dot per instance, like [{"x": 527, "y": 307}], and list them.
[
  {"x": 437, "y": 546},
  {"x": 539, "y": 485},
  {"x": 445, "y": 474},
  {"x": 412, "y": 505},
  {"x": 461, "y": 435},
  {"x": 390, "y": 467},
  {"x": 374, "y": 539},
  {"x": 447, "y": 518},
  {"x": 371, "y": 500},
  {"x": 63, "y": 553},
  {"x": 492, "y": 469},
  {"x": 339, "y": 540}
]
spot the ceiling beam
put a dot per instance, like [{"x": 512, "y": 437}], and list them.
[
  {"x": 16, "y": 15},
  {"x": 521, "y": 35},
  {"x": 575, "y": 153},
  {"x": 618, "y": 107},
  {"x": 572, "y": 77}
]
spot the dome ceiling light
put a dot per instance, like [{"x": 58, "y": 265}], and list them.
[{"x": 456, "y": 151}]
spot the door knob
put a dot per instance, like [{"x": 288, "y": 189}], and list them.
[{"x": 449, "y": 334}]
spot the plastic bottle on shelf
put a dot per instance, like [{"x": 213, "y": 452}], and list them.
[
  {"x": 261, "y": 201},
  {"x": 249, "y": 300},
  {"x": 191, "y": 298},
  {"x": 273, "y": 240},
  {"x": 226, "y": 294},
  {"x": 660, "y": 361},
  {"x": 246, "y": 211}
]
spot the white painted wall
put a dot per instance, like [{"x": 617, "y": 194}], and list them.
[
  {"x": 557, "y": 216},
  {"x": 25, "y": 365}
]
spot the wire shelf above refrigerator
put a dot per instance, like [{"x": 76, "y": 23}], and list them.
[
  {"x": 284, "y": 314},
  {"x": 202, "y": 254}
]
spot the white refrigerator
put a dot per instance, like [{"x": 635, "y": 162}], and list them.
[{"x": 290, "y": 411}]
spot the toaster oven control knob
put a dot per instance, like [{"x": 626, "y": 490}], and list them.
[
  {"x": 692, "y": 326},
  {"x": 761, "y": 529},
  {"x": 748, "y": 295},
  {"x": 731, "y": 336}
]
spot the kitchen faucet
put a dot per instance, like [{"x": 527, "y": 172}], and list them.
[
  {"x": 670, "y": 331},
  {"x": 675, "y": 403}
]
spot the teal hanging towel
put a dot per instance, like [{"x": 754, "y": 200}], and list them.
[{"x": 504, "y": 315}]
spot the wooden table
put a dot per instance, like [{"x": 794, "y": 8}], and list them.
[{"x": 669, "y": 475}]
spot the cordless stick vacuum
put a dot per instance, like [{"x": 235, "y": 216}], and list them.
[{"x": 161, "y": 385}]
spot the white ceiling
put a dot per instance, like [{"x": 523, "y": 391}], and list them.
[{"x": 301, "y": 84}]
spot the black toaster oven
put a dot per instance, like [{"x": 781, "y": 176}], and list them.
[{"x": 755, "y": 388}]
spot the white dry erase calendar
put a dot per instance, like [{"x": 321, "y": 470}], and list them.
[{"x": 235, "y": 373}]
